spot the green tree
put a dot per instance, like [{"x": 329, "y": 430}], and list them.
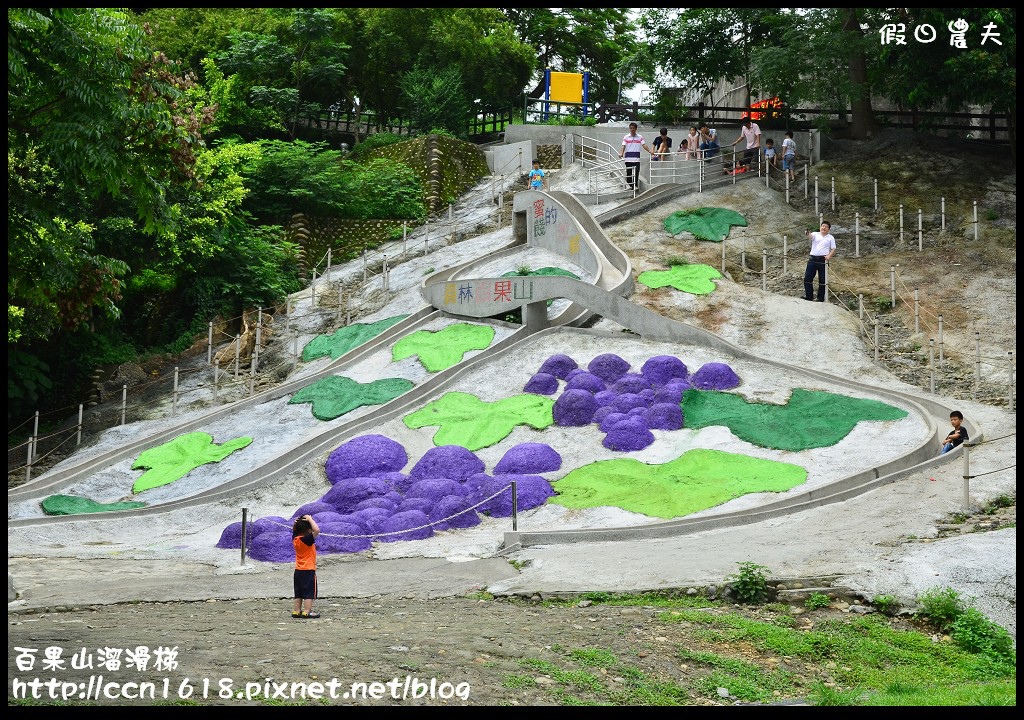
[
  {"x": 479, "y": 42},
  {"x": 436, "y": 100},
  {"x": 940, "y": 75},
  {"x": 293, "y": 71},
  {"x": 577, "y": 40}
]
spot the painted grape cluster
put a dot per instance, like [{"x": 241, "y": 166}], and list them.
[
  {"x": 372, "y": 499},
  {"x": 625, "y": 404}
]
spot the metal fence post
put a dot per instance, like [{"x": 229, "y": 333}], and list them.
[
  {"x": 917, "y": 312},
  {"x": 941, "y": 358},
  {"x": 876, "y": 339},
  {"x": 942, "y": 215},
  {"x": 515, "y": 508},
  {"x": 856, "y": 234},
  {"x": 816, "y": 195},
  {"x": 901, "y": 224},
  {"x": 174, "y": 395},
  {"x": 931, "y": 362},
  {"x": 892, "y": 285},
  {"x": 920, "y": 231},
  {"x": 209, "y": 344},
  {"x": 975, "y": 219},
  {"x": 833, "y": 193},
  {"x": 876, "y": 194},
  {"x": 785, "y": 255},
  {"x": 764, "y": 269},
  {"x": 967, "y": 479},
  {"x": 124, "y": 402},
  {"x": 245, "y": 525},
  {"x": 78, "y": 439}
]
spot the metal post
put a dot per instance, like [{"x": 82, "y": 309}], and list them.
[
  {"x": 833, "y": 193},
  {"x": 917, "y": 312},
  {"x": 405, "y": 236},
  {"x": 209, "y": 344},
  {"x": 942, "y": 215},
  {"x": 931, "y": 362},
  {"x": 238, "y": 351},
  {"x": 174, "y": 395},
  {"x": 723, "y": 256},
  {"x": 977, "y": 360},
  {"x": 920, "y": 231},
  {"x": 764, "y": 269},
  {"x": 259, "y": 335},
  {"x": 743, "y": 260},
  {"x": 28, "y": 465},
  {"x": 216, "y": 373},
  {"x": 785, "y": 256},
  {"x": 515, "y": 508},
  {"x": 816, "y": 195},
  {"x": 876, "y": 194},
  {"x": 940, "y": 339},
  {"x": 805, "y": 182},
  {"x": 245, "y": 526},
  {"x": 35, "y": 435},
  {"x": 876, "y": 339},
  {"x": 892, "y": 285},
  {"x": 787, "y": 187},
  {"x": 966, "y": 507},
  {"x": 975, "y": 219},
  {"x": 252, "y": 374},
  {"x": 124, "y": 402},
  {"x": 384, "y": 274},
  {"x": 856, "y": 234},
  {"x": 295, "y": 352},
  {"x": 426, "y": 238},
  {"x": 860, "y": 306},
  {"x": 901, "y": 224},
  {"x": 78, "y": 440},
  {"x": 312, "y": 289},
  {"x": 327, "y": 270},
  {"x": 1009, "y": 395}
]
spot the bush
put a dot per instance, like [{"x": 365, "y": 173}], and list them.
[
  {"x": 976, "y": 633},
  {"x": 887, "y": 604},
  {"x": 817, "y": 600},
  {"x": 941, "y": 607},
  {"x": 750, "y": 584}
]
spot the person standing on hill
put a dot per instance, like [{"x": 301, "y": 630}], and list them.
[
  {"x": 752, "y": 134},
  {"x": 630, "y": 152},
  {"x": 789, "y": 156},
  {"x": 823, "y": 247}
]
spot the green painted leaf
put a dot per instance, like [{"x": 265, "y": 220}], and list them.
[
  {"x": 696, "y": 480},
  {"x": 695, "y": 279},
  {"x": 810, "y": 419},
  {"x": 466, "y": 420},
  {"x": 175, "y": 459},
  {"x": 334, "y": 396},
  {"x": 346, "y": 338},
  {"x": 444, "y": 348},
  {"x": 75, "y": 505},
  {"x": 704, "y": 223}
]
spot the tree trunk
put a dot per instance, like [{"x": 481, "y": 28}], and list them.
[{"x": 864, "y": 125}]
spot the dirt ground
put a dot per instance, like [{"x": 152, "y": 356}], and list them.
[{"x": 522, "y": 651}]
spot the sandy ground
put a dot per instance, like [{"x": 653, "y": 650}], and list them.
[{"x": 882, "y": 542}]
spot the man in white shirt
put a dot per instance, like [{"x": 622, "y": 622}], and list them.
[
  {"x": 823, "y": 247},
  {"x": 752, "y": 134},
  {"x": 630, "y": 152}
]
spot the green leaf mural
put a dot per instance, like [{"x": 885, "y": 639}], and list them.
[
  {"x": 466, "y": 420},
  {"x": 694, "y": 279},
  {"x": 444, "y": 348},
  {"x": 344, "y": 339},
  {"x": 696, "y": 480},
  {"x": 175, "y": 459},
  {"x": 704, "y": 223},
  {"x": 334, "y": 396},
  {"x": 75, "y": 505},
  {"x": 810, "y": 419}
]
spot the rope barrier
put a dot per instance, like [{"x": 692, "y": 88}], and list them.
[
  {"x": 413, "y": 529},
  {"x": 1009, "y": 467},
  {"x": 987, "y": 441}
]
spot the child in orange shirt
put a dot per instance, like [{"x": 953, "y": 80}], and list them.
[{"x": 304, "y": 533}]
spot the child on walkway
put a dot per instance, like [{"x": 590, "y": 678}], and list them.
[
  {"x": 538, "y": 180},
  {"x": 769, "y": 153},
  {"x": 789, "y": 156},
  {"x": 957, "y": 435},
  {"x": 304, "y": 533}
]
